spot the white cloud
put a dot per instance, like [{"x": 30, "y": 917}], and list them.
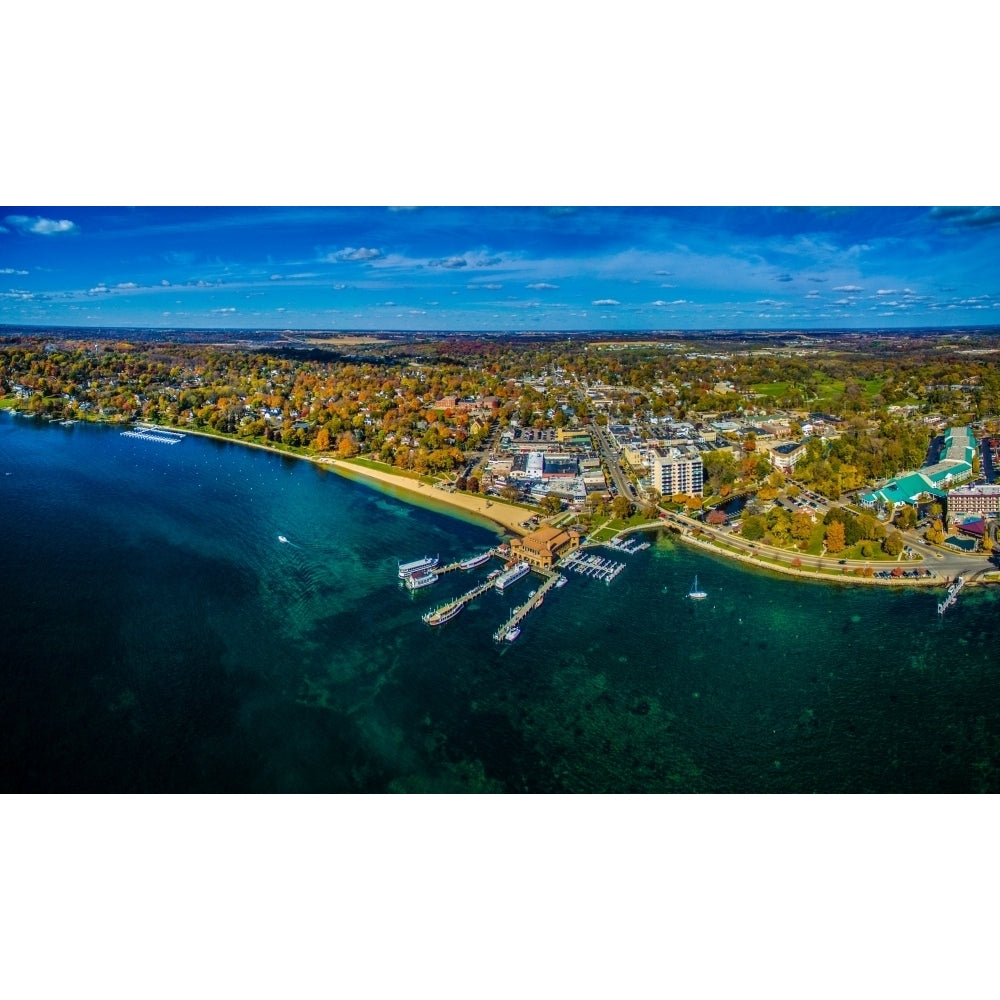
[
  {"x": 98, "y": 289},
  {"x": 848, "y": 288},
  {"x": 492, "y": 287},
  {"x": 339, "y": 287},
  {"x": 11, "y": 270},
  {"x": 676, "y": 302},
  {"x": 542, "y": 286},
  {"x": 352, "y": 254},
  {"x": 225, "y": 309},
  {"x": 126, "y": 285},
  {"x": 39, "y": 225},
  {"x": 888, "y": 291},
  {"x": 276, "y": 277},
  {"x": 605, "y": 302}
]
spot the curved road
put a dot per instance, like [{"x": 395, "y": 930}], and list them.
[{"x": 939, "y": 559}]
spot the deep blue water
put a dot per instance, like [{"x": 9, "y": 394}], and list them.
[{"x": 156, "y": 636}]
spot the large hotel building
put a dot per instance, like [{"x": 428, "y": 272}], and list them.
[
  {"x": 676, "y": 470},
  {"x": 982, "y": 500}
]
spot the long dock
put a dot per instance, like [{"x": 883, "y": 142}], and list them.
[
  {"x": 529, "y": 605},
  {"x": 458, "y": 602}
]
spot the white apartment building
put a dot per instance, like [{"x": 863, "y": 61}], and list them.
[{"x": 676, "y": 470}]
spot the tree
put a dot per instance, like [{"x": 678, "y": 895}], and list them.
[
  {"x": 835, "y": 537},
  {"x": 550, "y": 504},
  {"x": 802, "y": 525},
  {"x": 893, "y": 544},
  {"x": 621, "y": 507},
  {"x": 347, "y": 445},
  {"x": 322, "y": 442}
]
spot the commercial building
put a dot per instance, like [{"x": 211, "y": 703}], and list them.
[
  {"x": 954, "y": 463},
  {"x": 784, "y": 457},
  {"x": 676, "y": 470}
]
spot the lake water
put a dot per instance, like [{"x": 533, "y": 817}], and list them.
[{"x": 157, "y": 636}]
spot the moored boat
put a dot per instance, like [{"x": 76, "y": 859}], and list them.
[
  {"x": 475, "y": 561},
  {"x": 417, "y": 566},
  {"x": 443, "y": 614},
  {"x": 417, "y": 580},
  {"x": 695, "y": 594},
  {"x": 512, "y": 634},
  {"x": 511, "y": 576}
]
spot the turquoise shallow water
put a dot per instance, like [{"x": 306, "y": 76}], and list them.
[{"x": 156, "y": 636}]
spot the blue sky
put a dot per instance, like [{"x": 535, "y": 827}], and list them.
[{"x": 478, "y": 269}]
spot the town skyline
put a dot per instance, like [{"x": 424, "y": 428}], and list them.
[{"x": 500, "y": 269}]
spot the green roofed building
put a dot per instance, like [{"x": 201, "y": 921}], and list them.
[{"x": 954, "y": 463}]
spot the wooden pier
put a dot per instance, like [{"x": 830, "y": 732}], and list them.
[
  {"x": 446, "y": 609},
  {"x": 529, "y": 605}
]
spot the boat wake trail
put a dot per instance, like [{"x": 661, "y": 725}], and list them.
[{"x": 281, "y": 538}]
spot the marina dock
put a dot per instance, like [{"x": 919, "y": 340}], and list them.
[
  {"x": 529, "y": 605},
  {"x": 148, "y": 432},
  {"x": 591, "y": 565}
]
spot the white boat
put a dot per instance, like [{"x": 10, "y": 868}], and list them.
[
  {"x": 281, "y": 538},
  {"x": 695, "y": 594},
  {"x": 444, "y": 614},
  {"x": 562, "y": 581},
  {"x": 417, "y": 566},
  {"x": 512, "y": 634},
  {"x": 417, "y": 580},
  {"x": 511, "y": 576},
  {"x": 475, "y": 561}
]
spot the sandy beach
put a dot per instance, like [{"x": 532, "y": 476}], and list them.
[{"x": 507, "y": 516}]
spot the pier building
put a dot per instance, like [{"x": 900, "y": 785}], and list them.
[{"x": 542, "y": 548}]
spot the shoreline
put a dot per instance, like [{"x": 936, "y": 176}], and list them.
[
  {"x": 508, "y": 518},
  {"x": 498, "y": 513}
]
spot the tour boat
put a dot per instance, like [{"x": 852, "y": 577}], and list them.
[
  {"x": 511, "y": 576},
  {"x": 417, "y": 566},
  {"x": 418, "y": 580},
  {"x": 475, "y": 561},
  {"x": 444, "y": 614}
]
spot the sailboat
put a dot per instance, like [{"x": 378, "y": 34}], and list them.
[{"x": 694, "y": 593}]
